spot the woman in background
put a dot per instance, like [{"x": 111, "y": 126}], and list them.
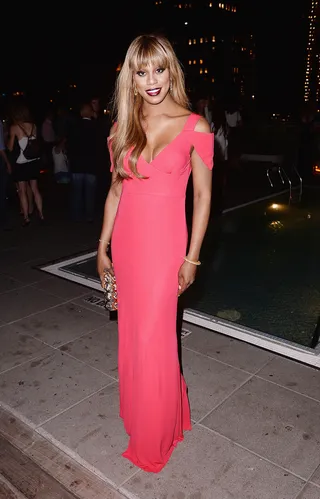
[{"x": 26, "y": 170}]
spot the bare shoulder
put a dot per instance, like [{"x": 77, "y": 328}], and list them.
[
  {"x": 202, "y": 126},
  {"x": 29, "y": 126},
  {"x": 15, "y": 131}
]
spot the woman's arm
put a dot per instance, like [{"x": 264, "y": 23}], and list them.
[
  {"x": 202, "y": 182},
  {"x": 111, "y": 206},
  {"x": 202, "y": 186},
  {"x": 110, "y": 211}
]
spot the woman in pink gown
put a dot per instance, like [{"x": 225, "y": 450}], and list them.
[{"x": 154, "y": 146}]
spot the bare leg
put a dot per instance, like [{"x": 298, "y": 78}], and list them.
[
  {"x": 23, "y": 199},
  {"x": 37, "y": 196},
  {"x": 18, "y": 194},
  {"x": 30, "y": 198}
]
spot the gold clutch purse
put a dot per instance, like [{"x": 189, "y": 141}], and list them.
[{"x": 110, "y": 292}]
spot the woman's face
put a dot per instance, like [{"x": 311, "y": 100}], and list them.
[{"x": 152, "y": 83}]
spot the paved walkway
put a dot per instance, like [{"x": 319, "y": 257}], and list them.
[{"x": 256, "y": 416}]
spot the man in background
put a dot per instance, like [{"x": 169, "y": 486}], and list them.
[
  {"x": 102, "y": 124},
  {"x": 81, "y": 147},
  {"x": 49, "y": 138}
]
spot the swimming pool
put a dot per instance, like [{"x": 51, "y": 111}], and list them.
[
  {"x": 259, "y": 280},
  {"x": 261, "y": 268}
]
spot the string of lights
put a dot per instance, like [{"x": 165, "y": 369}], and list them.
[{"x": 312, "y": 63}]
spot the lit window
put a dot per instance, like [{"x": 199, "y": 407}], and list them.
[
  {"x": 206, "y": 40},
  {"x": 201, "y": 61},
  {"x": 210, "y": 4},
  {"x": 206, "y": 71},
  {"x": 213, "y": 38},
  {"x": 194, "y": 62},
  {"x": 201, "y": 71},
  {"x": 222, "y": 6},
  {"x": 190, "y": 42},
  {"x": 194, "y": 41},
  {"x": 212, "y": 80},
  {"x": 190, "y": 62},
  {"x": 201, "y": 40}
]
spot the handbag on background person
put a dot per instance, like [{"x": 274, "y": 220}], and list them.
[{"x": 33, "y": 148}]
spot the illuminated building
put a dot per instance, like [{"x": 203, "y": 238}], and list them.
[
  {"x": 312, "y": 75},
  {"x": 212, "y": 42}
]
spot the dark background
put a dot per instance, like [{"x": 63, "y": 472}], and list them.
[{"x": 48, "y": 48}]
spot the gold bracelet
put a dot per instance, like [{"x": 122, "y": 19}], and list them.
[
  {"x": 104, "y": 241},
  {"x": 191, "y": 261}
]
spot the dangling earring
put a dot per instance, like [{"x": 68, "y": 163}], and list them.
[
  {"x": 171, "y": 86},
  {"x": 135, "y": 92}
]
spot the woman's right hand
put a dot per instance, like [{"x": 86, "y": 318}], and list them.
[{"x": 103, "y": 264}]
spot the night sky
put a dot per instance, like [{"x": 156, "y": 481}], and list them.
[
  {"x": 86, "y": 46},
  {"x": 280, "y": 32}
]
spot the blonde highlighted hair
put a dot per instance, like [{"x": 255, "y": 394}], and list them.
[{"x": 129, "y": 135}]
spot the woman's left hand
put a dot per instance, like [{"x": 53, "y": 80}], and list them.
[{"x": 186, "y": 276}]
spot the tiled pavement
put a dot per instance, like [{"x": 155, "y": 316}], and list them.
[{"x": 256, "y": 431}]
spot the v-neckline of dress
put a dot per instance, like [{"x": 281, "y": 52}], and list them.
[{"x": 167, "y": 145}]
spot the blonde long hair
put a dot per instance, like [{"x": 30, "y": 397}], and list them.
[{"x": 129, "y": 133}]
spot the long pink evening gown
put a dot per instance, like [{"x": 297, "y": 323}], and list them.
[{"x": 148, "y": 246}]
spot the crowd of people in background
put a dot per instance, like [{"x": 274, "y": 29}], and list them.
[
  {"x": 225, "y": 122},
  {"x": 71, "y": 149}
]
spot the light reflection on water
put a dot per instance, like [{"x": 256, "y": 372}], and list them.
[
  {"x": 262, "y": 270},
  {"x": 275, "y": 225}
]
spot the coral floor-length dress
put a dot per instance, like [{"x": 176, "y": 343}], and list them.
[{"x": 148, "y": 246}]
